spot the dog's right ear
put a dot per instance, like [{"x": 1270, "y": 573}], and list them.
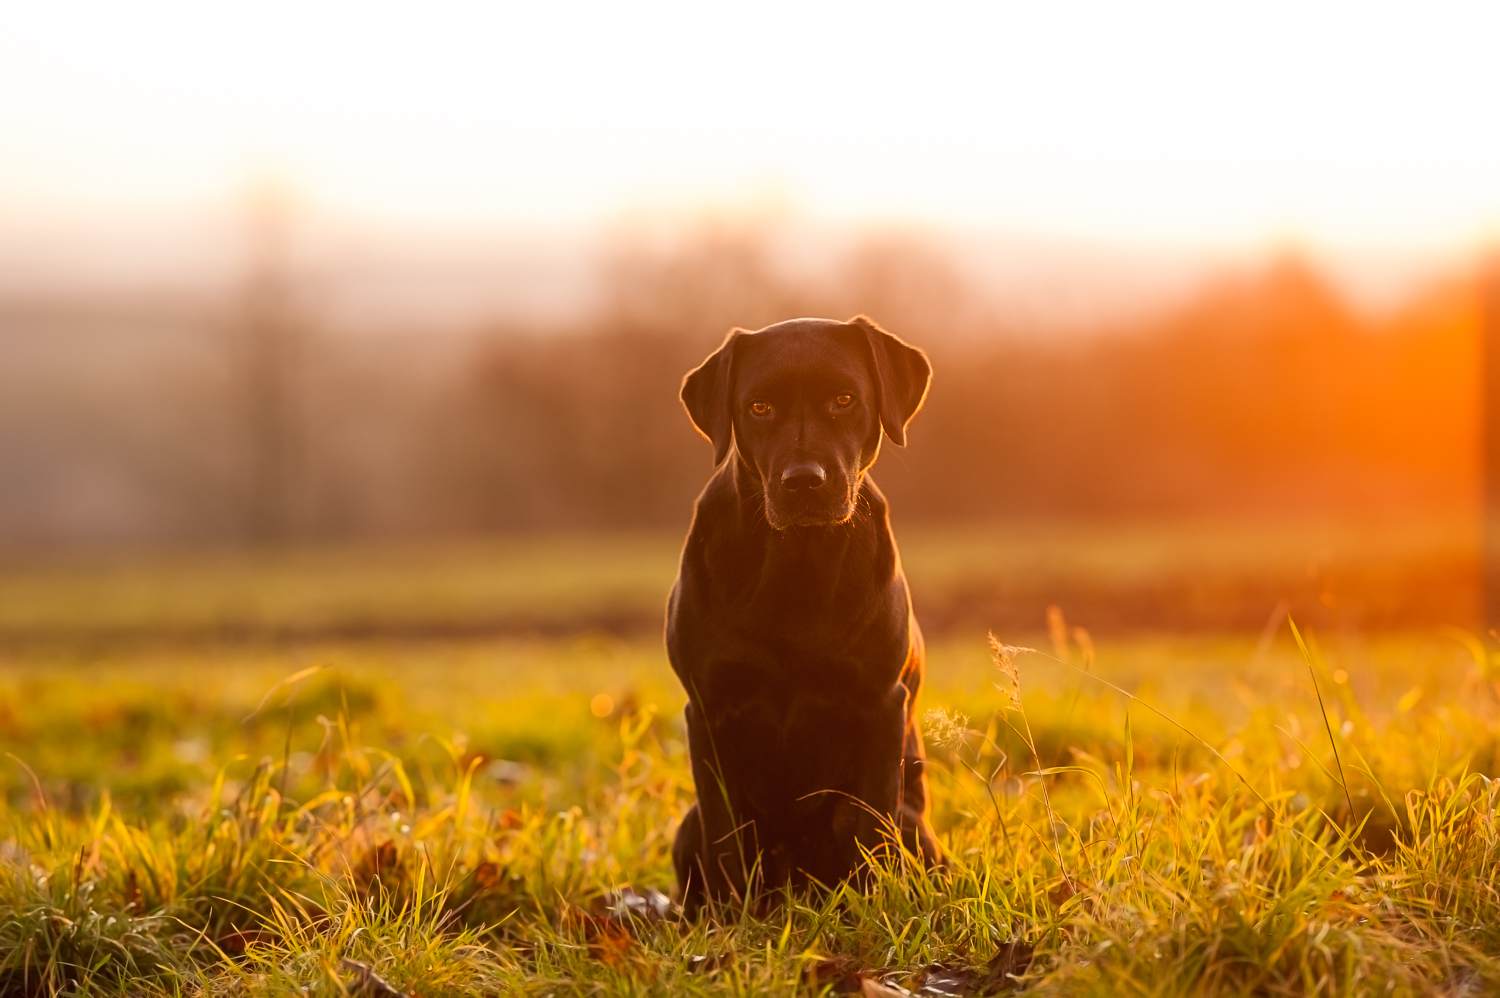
[
  {"x": 902, "y": 374},
  {"x": 705, "y": 393}
]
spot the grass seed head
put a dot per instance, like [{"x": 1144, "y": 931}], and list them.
[
  {"x": 945, "y": 728},
  {"x": 1005, "y": 661}
]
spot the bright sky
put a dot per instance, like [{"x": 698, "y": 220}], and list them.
[{"x": 1205, "y": 123}]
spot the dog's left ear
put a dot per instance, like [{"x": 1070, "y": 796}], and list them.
[
  {"x": 705, "y": 393},
  {"x": 902, "y": 374}
]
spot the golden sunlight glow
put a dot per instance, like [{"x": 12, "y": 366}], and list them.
[{"x": 1355, "y": 123}]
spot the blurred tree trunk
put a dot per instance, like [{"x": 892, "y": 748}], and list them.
[
  {"x": 1489, "y": 289},
  {"x": 271, "y": 357}
]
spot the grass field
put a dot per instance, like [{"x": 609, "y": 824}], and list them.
[{"x": 489, "y": 813}]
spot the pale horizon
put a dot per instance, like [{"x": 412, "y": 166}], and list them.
[{"x": 1343, "y": 129}]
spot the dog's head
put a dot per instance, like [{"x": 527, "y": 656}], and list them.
[{"x": 804, "y": 403}]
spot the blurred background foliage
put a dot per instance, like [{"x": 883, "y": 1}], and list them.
[{"x": 1259, "y": 437}]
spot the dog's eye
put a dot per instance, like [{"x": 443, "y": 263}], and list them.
[
  {"x": 843, "y": 401},
  {"x": 760, "y": 408}
]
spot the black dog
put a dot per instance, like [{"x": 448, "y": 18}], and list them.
[{"x": 790, "y": 625}]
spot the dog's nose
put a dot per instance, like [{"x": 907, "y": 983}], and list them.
[{"x": 803, "y": 475}]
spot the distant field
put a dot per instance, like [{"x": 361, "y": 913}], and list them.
[{"x": 1114, "y": 577}]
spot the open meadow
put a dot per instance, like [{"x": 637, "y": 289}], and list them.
[
  {"x": 360, "y": 366},
  {"x": 457, "y": 770}
]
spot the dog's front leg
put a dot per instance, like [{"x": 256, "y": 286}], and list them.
[
  {"x": 879, "y": 789},
  {"x": 726, "y": 855}
]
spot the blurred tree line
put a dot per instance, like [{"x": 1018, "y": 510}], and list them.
[{"x": 1266, "y": 394}]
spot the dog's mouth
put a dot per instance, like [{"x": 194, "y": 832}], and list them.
[{"x": 821, "y": 507}]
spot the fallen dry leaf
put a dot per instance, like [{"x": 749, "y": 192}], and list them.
[
  {"x": 699, "y": 964},
  {"x": 841, "y": 972},
  {"x": 486, "y": 875},
  {"x": 364, "y": 981},
  {"x": 943, "y": 981},
  {"x": 610, "y": 918},
  {"x": 650, "y": 905},
  {"x": 1062, "y": 892},
  {"x": 1012, "y": 960},
  {"x": 869, "y": 987},
  {"x": 380, "y": 863},
  {"x": 610, "y": 943},
  {"x": 235, "y": 943}
]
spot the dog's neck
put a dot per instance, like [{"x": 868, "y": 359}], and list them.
[
  {"x": 806, "y": 553},
  {"x": 813, "y": 585}
]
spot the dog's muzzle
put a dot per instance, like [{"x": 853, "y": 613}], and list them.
[{"x": 806, "y": 495}]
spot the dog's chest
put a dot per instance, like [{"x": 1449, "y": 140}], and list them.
[
  {"x": 778, "y": 743},
  {"x": 792, "y": 684},
  {"x": 821, "y": 607},
  {"x": 789, "y": 630}
]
